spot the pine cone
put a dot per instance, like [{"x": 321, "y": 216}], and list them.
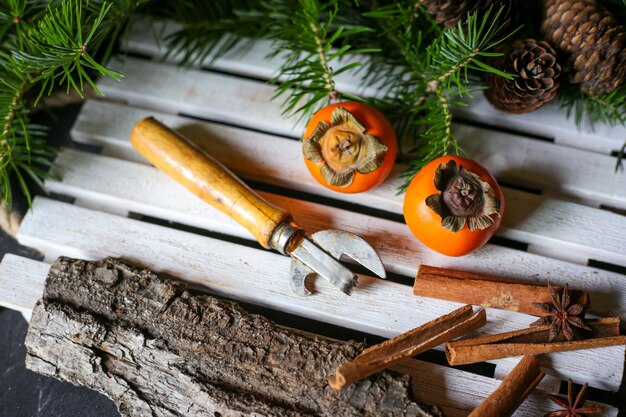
[
  {"x": 449, "y": 12},
  {"x": 591, "y": 39},
  {"x": 537, "y": 70}
]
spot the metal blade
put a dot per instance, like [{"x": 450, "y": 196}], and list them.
[
  {"x": 297, "y": 275},
  {"x": 339, "y": 242},
  {"x": 324, "y": 265}
]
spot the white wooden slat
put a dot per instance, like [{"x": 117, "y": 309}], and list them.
[
  {"x": 570, "y": 229},
  {"x": 134, "y": 188},
  {"x": 586, "y": 176},
  {"x": 22, "y": 282},
  {"x": 549, "y": 121},
  {"x": 461, "y": 395},
  {"x": 260, "y": 277},
  {"x": 226, "y": 98},
  {"x": 583, "y": 175},
  {"x": 456, "y": 391}
]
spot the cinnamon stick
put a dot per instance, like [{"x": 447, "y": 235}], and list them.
[
  {"x": 532, "y": 341},
  {"x": 406, "y": 345},
  {"x": 512, "y": 391},
  {"x": 486, "y": 290}
]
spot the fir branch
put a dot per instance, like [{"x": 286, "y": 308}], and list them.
[
  {"x": 464, "y": 48},
  {"x": 608, "y": 108},
  {"x": 401, "y": 31},
  {"x": 620, "y": 157},
  {"x": 12, "y": 87},
  {"x": 14, "y": 19},
  {"x": 440, "y": 76},
  {"x": 307, "y": 36},
  {"x": 60, "y": 49},
  {"x": 26, "y": 158},
  {"x": 46, "y": 44},
  {"x": 208, "y": 28}
]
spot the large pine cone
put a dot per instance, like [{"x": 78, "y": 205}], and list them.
[
  {"x": 537, "y": 70},
  {"x": 449, "y": 12},
  {"x": 592, "y": 40}
]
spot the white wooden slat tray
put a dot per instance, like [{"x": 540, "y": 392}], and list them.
[{"x": 563, "y": 227}]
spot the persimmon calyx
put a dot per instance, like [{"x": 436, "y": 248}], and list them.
[
  {"x": 464, "y": 199},
  {"x": 344, "y": 148}
]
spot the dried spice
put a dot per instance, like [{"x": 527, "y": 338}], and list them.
[
  {"x": 561, "y": 315},
  {"x": 464, "y": 198},
  {"x": 573, "y": 405}
]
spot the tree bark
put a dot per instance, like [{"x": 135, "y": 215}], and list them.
[{"x": 157, "y": 350}]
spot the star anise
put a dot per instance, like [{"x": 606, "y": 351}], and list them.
[
  {"x": 573, "y": 406},
  {"x": 561, "y": 315}
]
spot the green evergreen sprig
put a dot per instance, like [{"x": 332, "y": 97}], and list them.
[
  {"x": 208, "y": 29},
  {"x": 60, "y": 46},
  {"x": 47, "y": 45},
  {"x": 440, "y": 77},
  {"x": 607, "y": 108},
  {"x": 315, "y": 50}
]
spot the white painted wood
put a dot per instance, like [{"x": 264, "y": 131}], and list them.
[
  {"x": 102, "y": 205},
  {"x": 568, "y": 229},
  {"x": 146, "y": 190},
  {"x": 456, "y": 391},
  {"x": 227, "y": 98},
  {"x": 459, "y": 395},
  {"x": 21, "y": 282},
  {"x": 549, "y": 121},
  {"x": 257, "y": 276},
  {"x": 581, "y": 174}
]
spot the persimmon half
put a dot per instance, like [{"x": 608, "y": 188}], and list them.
[
  {"x": 349, "y": 147},
  {"x": 453, "y": 205}
]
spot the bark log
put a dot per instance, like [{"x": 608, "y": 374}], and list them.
[{"x": 157, "y": 350}]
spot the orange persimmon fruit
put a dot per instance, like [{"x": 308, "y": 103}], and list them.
[
  {"x": 349, "y": 147},
  {"x": 453, "y": 205}
]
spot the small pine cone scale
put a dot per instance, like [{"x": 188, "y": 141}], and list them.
[
  {"x": 592, "y": 41},
  {"x": 537, "y": 71},
  {"x": 449, "y": 12}
]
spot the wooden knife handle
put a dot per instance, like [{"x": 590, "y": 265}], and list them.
[{"x": 207, "y": 178}]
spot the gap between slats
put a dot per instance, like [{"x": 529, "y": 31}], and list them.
[
  {"x": 260, "y": 277},
  {"x": 456, "y": 391},
  {"x": 571, "y": 231}
]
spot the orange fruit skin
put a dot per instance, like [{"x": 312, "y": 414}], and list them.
[
  {"x": 375, "y": 124},
  {"x": 425, "y": 224}
]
